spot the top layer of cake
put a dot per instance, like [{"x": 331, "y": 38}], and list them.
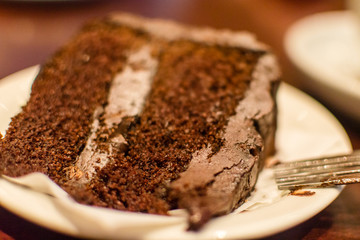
[
  {"x": 172, "y": 31},
  {"x": 149, "y": 115}
]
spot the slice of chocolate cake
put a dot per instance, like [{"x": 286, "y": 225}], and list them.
[{"x": 149, "y": 115}]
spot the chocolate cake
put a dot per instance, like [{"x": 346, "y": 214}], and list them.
[{"x": 149, "y": 115}]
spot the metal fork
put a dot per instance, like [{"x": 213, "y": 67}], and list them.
[{"x": 319, "y": 172}]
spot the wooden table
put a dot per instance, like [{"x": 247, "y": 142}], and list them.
[{"x": 31, "y": 32}]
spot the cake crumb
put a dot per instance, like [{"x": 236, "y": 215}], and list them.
[{"x": 302, "y": 193}]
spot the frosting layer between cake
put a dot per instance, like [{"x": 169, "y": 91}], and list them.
[{"x": 126, "y": 98}]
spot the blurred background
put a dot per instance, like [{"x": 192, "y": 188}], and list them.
[{"x": 30, "y": 32}]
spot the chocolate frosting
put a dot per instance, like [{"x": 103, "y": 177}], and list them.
[{"x": 227, "y": 177}]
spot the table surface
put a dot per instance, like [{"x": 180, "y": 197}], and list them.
[{"x": 30, "y": 32}]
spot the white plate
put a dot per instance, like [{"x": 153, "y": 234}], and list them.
[
  {"x": 326, "y": 48},
  {"x": 306, "y": 129}
]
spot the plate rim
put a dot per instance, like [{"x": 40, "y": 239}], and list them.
[{"x": 298, "y": 35}]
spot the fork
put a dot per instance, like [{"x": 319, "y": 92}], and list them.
[{"x": 319, "y": 172}]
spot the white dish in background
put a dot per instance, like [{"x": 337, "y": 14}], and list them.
[
  {"x": 306, "y": 129},
  {"x": 325, "y": 47}
]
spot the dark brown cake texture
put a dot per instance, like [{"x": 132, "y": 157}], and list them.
[{"x": 150, "y": 115}]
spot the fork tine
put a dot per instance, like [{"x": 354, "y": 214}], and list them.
[
  {"x": 311, "y": 184},
  {"x": 318, "y": 175},
  {"x": 317, "y": 166},
  {"x": 318, "y": 172},
  {"x": 279, "y": 173},
  {"x": 320, "y": 162}
]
